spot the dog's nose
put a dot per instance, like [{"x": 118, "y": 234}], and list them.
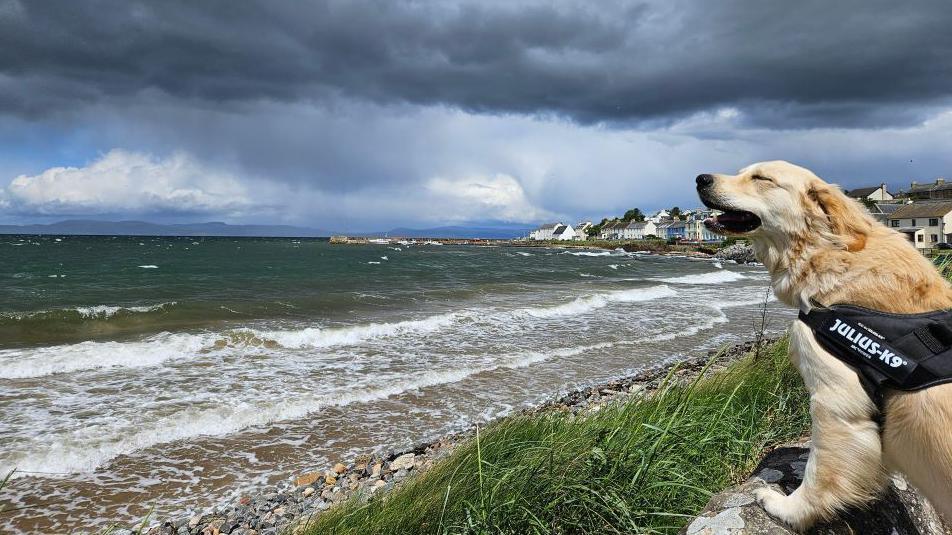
[{"x": 704, "y": 180}]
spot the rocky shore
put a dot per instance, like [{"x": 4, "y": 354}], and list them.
[
  {"x": 741, "y": 253},
  {"x": 275, "y": 510}
]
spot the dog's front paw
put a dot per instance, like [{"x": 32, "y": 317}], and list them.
[{"x": 785, "y": 508}]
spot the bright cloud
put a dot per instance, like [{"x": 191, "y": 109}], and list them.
[
  {"x": 129, "y": 182},
  {"x": 499, "y": 197}
]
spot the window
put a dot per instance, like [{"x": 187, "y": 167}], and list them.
[
  {"x": 894, "y": 223},
  {"x": 913, "y": 222},
  {"x": 933, "y": 222},
  {"x": 935, "y": 238},
  {"x": 919, "y": 237}
]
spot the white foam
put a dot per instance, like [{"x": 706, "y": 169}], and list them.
[
  {"x": 589, "y": 303},
  {"x": 156, "y": 349},
  {"x": 589, "y": 253},
  {"x": 107, "y": 311},
  {"x": 317, "y": 337},
  {"x": 83, "y": 449},
  {"x": 714, "y": 277},
  {"x": 149, "y": 266},
  {"x": 373, "y": 262},
  {"x": 613, "y": 266},
  {"x": 523, "y": 253},
  {"x": 689, "y": 330}
]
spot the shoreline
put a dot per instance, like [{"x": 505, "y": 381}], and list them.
[
  {"x": 655, "y": 246},
  {"x": 273, "y": 509}
]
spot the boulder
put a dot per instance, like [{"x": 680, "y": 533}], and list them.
[
  {"x": 403, "y": 462},
  {"x": 307, "y": 479},
  {"x": 741, "y": 252},
  {"x": 900, "y": 510}
]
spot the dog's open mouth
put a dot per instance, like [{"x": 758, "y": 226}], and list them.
[{"x": 733, "y": 222}]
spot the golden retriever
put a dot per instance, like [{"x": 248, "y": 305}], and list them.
[{"x": 819, "y": 244}]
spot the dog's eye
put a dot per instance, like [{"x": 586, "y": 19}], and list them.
[{"x": 761, "y": 177}]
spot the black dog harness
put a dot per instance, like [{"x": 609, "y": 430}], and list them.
[{"x": 897, "y": 351}]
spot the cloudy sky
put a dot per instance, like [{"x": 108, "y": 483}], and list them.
[{"x": 360, "y": 115}]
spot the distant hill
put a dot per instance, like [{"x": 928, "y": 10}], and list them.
[
  {"x": 502, "y": 232},
  {"x": 142, "y": 228}
]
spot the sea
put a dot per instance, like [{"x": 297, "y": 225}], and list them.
[{"x": 157, "y": 376}]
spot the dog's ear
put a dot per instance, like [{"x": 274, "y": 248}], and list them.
[{"x": 845, "y": 217}]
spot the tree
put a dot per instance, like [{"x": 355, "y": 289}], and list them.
[
  {"x": 675, "y": 212},
  {"x": 633, "y": 215}
]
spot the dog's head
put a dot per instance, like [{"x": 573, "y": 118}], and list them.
[{"x": 781, "y": 202}]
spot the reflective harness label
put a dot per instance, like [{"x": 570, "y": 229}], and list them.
[{"x": 869, "y": 347}]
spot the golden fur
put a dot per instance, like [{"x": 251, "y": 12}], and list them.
[{"x": 819, "y": 244}]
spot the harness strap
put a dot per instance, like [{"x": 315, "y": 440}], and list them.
[
  {"x": 870, "y": 379},
  {"x": 925, "y": 336}
]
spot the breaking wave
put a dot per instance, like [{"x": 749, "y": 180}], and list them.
[
  {"x": 588, "y": 253},
  {"x": 160, "y": 348},
  {"x": 38, "y": 362},
  {"x": 91, "y": 446},
  {"x": 714, "y": 277},
  {"x": 589, "y": 303},
  {"x": 97, "y": 312}
]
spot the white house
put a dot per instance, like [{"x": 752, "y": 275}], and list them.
[
  {"x": 581, "y": 230},
  {"x": 925, "y": 223},
  {"x": 564, "y": 232},
  {"x": 661, "y": 229},
  {"x": 874, "y": 193},
  {"x": 544, "y": 232},
  {"x": 637, "y": 230},
  {"x": 612, "y": 230},
  {"x": 695, "y": 230},
  {"x": 659, "y": 216}
]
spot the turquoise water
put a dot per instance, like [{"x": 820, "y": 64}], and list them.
[{"x": 176, "y": 372}]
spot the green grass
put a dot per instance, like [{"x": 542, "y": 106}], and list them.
[{"x": 645, "y": 466}]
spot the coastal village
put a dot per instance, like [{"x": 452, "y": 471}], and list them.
[{"x": 923, "y": 212}]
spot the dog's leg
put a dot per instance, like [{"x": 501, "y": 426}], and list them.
[
  {"x": 845, "y": 464},
  {"x": 917, "y": 442}
]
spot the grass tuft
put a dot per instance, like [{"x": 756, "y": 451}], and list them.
[{"x": 644, "y": 466}]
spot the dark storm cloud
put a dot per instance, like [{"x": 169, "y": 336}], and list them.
[{"x": 782, "y": 64}]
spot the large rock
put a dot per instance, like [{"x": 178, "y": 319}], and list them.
[
  {"x": 899, "y": 511},
  {"x": 741, "y": 252}
]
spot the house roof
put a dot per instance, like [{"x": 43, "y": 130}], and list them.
[
  {"x": 934, "y": 186},
  {"x": 922, "y": 209},
  {"x": 885, "y": 207},
  {"x": 548, "y": 226},
  {"x": 862, "y": 192},
  {"x": 636, "y": 224},
  {"x": 561, "y": 229}
]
